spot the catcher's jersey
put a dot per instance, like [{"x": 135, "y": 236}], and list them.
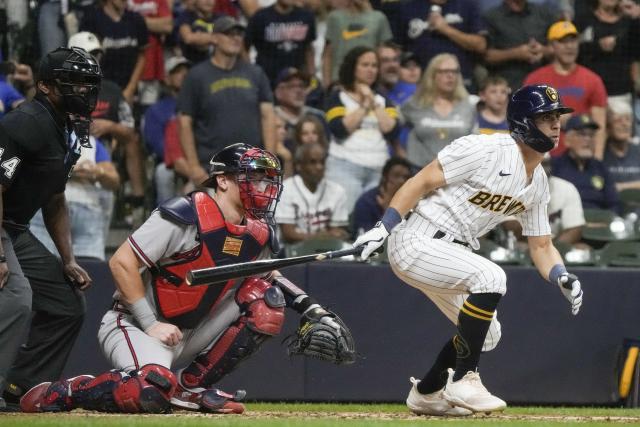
[{"x": 486, "y": 182}]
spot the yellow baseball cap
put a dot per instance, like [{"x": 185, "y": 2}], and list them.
[{"x": 560, "y": 30}]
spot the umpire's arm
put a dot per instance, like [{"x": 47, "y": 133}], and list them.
[{"x": 56, "y": 219}]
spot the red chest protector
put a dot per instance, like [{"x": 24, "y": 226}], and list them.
[{"x": 221, "y": 243}]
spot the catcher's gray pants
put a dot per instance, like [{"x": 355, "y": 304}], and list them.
[
  {"x": 127, "y": 347},
  {"x": 444, "y": 271},
  {"x": 37, "y": 290}
]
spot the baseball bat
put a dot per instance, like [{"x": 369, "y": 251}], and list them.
[{"x": 206, "y": 276}]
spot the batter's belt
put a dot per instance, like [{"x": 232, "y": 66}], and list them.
[{"x": 414, "y": 217}]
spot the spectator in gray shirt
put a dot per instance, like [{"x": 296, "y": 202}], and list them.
[
  {"x": 517, "y": 37},
  {"x": 224, "y": 100},
  {"x": 439, "y": 111}
]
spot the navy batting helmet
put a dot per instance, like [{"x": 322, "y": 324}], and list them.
[
  {"x": 259, "y": 177},
  {"x": 524, "y": 105}
]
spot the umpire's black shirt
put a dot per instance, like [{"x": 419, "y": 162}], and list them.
[{"x": 35, "y": 159}]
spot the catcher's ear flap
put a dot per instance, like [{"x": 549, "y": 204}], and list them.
[{"x": 325, "y": 338}]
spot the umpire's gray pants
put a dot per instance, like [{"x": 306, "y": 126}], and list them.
[{"x": 15, "y": 309}]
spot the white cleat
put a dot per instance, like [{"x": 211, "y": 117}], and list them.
[
  {"x": 432, "y": 403},
  {"x": 470, "y": 393}
]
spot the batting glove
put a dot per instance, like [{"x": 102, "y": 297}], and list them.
[
  {"x": 572, "y": 291},
  {"x": 372, "y": 240}
]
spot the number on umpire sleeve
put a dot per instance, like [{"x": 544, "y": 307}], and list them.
[{"x": 10, "y": 165}]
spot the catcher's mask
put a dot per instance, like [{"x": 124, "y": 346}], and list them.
[
  {"x": 77, "y": 76},
  {"x": 258, "y": 174}
]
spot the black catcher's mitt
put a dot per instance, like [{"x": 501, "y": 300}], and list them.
[{"x": 323, "y": 335}]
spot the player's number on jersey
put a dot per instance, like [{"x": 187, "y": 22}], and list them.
[{"x": 10, "y": 165}]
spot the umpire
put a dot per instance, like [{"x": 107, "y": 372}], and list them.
[{"x": 39, "y": 144}]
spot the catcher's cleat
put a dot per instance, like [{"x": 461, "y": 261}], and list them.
[
  {"x": 432, "y": 403},
  {"x": 210, "y": 400},
  {"x": 52, "y": 397},
  {"x": 470, "y": 393}
]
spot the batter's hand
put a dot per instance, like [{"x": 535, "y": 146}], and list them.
[
  {"x": 166, "y": 332},
  {"x": 77, "y": 275},
  {"x": 572, "y": 290},
  {"x": 373, "y": 239}
]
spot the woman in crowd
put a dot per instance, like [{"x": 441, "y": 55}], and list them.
[
  {"x": 438, "y": 112},
  {"x": 362, "y": 123}
]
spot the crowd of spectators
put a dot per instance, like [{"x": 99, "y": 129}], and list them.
[{"x": 352, "y": 95}]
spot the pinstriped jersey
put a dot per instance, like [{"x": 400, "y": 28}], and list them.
[{"x": 486, "y": 182}]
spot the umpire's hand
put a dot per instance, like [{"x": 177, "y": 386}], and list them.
[{"x": 78, "y": 276}]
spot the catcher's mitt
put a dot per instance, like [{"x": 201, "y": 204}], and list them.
[{"x": 323, "y": 335}]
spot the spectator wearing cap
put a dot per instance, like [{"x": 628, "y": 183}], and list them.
[
  {"x": 224, "y": 99},
  {"x": 283, "y": 36},
  {"x": 291, "y": 86},
  {"x": 517, "y": 35},
  {"x": 159, "y": 20},
  {"x": 408, "y": 78},
  {"x": 126, "y": 37},
  {"x": 160, "y": 131},
  {"x": 195, "y": 29},
  {"x": 112, "y": 121},
  {"x": 444, "y": 26},
  {"x": 579, "y": 87},
  {"x": 579, "y": 166},
  {"x": 622, "y": 157}
]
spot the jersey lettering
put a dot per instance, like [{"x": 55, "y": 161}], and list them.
[
  {"x": 497, "y": 203},
  {"x": 10, "y": 165}
]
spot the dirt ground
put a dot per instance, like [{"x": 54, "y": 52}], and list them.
[{"x": 360, "y": 416}]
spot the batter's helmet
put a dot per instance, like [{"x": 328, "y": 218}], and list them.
[
  {"x": 259, "y": 193},
  {"x": 524, "y": 105},
  {"x": 77, "y": 75}
]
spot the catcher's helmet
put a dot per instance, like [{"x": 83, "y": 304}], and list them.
[
  {"x": 76, "y": 74},
  {"x": 258, "y": 173},
  {"x": 524, "y": 105}
]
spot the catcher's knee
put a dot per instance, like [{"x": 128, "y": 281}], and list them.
[
  {"x": 262, "y": 308},
  {"x": 262, "y": 305}
]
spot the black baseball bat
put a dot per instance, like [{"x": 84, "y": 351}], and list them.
[{"x": 207, "y": 276}]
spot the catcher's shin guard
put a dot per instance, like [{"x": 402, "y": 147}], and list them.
[
  {"x": 262, "y": 306},
  {"x": 145, "y": 390}
]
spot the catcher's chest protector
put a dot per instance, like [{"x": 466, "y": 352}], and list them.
[{"x": 221, "y": 243}]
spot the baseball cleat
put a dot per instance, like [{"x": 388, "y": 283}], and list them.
[
  {"x": 470, "y": 393},
  {"x": 52, "y": 397},
  {"x": 210, "y": 400},
  {"x": 432, "y": 403}
]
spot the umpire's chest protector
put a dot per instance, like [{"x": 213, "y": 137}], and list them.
[{"x": 221, "y": 243}]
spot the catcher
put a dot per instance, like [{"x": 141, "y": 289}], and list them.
[{"x": 157, "y": 324}]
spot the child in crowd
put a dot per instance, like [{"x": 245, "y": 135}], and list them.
[{"x": 492, "y": 108}]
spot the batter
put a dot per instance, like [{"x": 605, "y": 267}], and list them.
[{"x": 475, "y": 183}]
